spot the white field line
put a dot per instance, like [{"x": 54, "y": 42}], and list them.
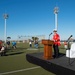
[{"x": 20, "y": 70}]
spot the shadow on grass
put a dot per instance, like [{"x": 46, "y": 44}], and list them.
[
  {"x": 14, "y": 53},
  {"x": 18, "y": 48}
]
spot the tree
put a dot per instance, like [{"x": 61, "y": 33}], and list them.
[{"x": 35, "y": 38}]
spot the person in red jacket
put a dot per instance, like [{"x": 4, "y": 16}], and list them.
[
  {"x": 0, "y": 44},
  {"x": 56, "y": 39}
]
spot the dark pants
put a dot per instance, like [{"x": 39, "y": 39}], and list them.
[
  {"x": 56, "y": 51},
  {"x": 30, "y": 45}
]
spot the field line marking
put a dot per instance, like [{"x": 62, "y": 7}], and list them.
[{"x": 20, "y": 70}]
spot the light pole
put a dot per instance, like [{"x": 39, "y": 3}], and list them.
[
  {"x": 56, "y": 10},
  {"x": 5, "y": 31}
]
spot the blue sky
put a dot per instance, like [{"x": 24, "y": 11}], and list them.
[{"x": 36, "y": 17}]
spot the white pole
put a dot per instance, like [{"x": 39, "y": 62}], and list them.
[
  {"x": 56, "y": 17},
  {"x": 5, "y": 31},
  {"x": 56, "y": 21}
]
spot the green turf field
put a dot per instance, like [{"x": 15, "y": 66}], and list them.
[{"x": 15, "y": 62}]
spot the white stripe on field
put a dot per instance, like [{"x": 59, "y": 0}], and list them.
[{"x": 20, "y": 70}]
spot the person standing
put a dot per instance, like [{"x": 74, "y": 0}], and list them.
[
  {"x": 1, "y": 44},
  {"x": 65, "y": 44},
  {"x": 56, "y": 39},
  {"x": 14, "y": 44},
  {"x": 36, "y": 44},
  {"x": 30, "y": 43},
  {"x": 8, "y": 44}
]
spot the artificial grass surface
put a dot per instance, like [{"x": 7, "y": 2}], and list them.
[{"x": 16, "y": 60}]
